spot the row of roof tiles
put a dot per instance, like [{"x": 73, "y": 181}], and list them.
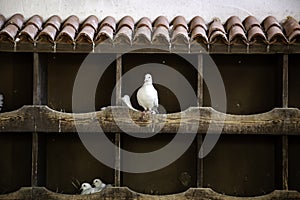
[{"x": 144, "y": 31}]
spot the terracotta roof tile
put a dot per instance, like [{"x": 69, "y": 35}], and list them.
[
  {"x": 233, "y": 21},
  {"x": 143, "y": 31},
  {"x": 91, "y": 21},
  {"x": 161, "y": 21},
  {"x": 197, "y": 22},
  {"x": 250, "y": 22},
  {"x": 216, "y": 32},
  {"x": 109, "y": 21},
  {"x": 269, "y": 22},
  {"x": 2, "y": 21},
  {"x": 256, "y": 35},
  {"x": 178, "y": 33},
  {"x": 292, "y": 29},
  {"x": 54, "y": 21},
  {"x": 16, "y": 20},
  {"x": 9, "y": 32}
]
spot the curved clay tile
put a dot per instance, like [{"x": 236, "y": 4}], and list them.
[
  {"x": 250, "y": 22},
  {"x": 237, "y": 35},
  {"x": 180, "y": 35},
  {"x": 105, "y": 34},
  {"x": 9, "y": 32},
  {"x": 124, "y": 35},
  {"x": 126, "y": 21},
  {"x": 72, "y": 21},
  {"x": 142, "y": 35},
  {"x": 161, "y": 35},
  {"x": 255, "y": 35},
  {"x": 292, "y": 28},
  {"x": 275, "y": 35},
  {"x": 91, "y": 21},
  {"x": 47, "y": 34},
  {"x": 269, "y": 22},
  {"x": 295, "y": 36},
  {"x": 145, "y": 21},
  {"x": 233, "y": 21},
  {"x": 161, "y": 21},
  {"x": 28, "y": 33},
  {"x": 196, "y": 22},
  {"x": 198, "y": 34},
  {"x": 216, "y": 26},
  {"x": 35, "y": 20},
  {"x": 179, "y": 21},
  {"x": 216, "y": 32},
  {"x": 16, "y": 20},
  {"x": 67, "y": 35},
  {"x": 54, "y": 21},
  {"x": 86, "y": 35},
  {"x": 108, "y": 21},
  {"x": 2, "y": 21}
]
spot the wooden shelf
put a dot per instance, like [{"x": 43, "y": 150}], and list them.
[
  {"x": 41, "y": 193},
  {"x": 279, "y": 121}
]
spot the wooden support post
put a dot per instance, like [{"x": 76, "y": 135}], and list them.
[
  {"x": 39, "y": 98},
  {"x": 118, "y": 135},
  {"x": 200, "y": 174},
  {"x": 285, "y": 146}
]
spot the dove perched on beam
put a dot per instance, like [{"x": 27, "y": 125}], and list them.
[
  {"x": 99, "y": 185},
  {"x": 147, "y": 95},
  {"x": 87, "y": 189}
]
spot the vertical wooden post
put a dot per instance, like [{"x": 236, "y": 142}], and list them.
[
  {"x": 285, "y": 146},
  {"x": 118, "y": 135},
  {"x": 39, "y": 98},
  {"x": 200, "y": 174}
]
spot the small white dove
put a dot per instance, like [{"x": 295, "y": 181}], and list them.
[
  {"x": 147, "y": 95},
  {"x": 99, "y": 185},
  {"x": 1, "y": 101},
  {"x": 87, "y": 189}
]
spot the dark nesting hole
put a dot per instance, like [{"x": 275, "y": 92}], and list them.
[
  {"x": 294, "y": 163},
  {"x": 67, "y": 160},
  {"x": 16, "y": 80},
  {"x": 294, "y": 81},
  {"x": 252, "y": 82},
  {"x": 15, "y": 163},
  {"x": 242, "y": 165},
  {"x": 174, "y": 178},
  {"x": 62, "y": 72},
  {"x": 174, "y": 77}
]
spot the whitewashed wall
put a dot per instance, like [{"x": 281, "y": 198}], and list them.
[{"x": 153, "y": 8}]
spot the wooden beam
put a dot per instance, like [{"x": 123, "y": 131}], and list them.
[
  {"x": 285, "y": 163},
  {"x": 200, "y": 167},
  {"x": 285, "y": 79},
  {"x": 118, "y": 135}
]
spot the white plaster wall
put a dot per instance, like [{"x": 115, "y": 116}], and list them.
[{"x": 208, "y": 9}]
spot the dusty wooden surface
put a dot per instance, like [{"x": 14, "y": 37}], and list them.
[
  {"x": 279, "y": 121},
  {"x": 41, "y": 193}
]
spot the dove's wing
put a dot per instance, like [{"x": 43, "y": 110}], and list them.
[
  {"x": 126, "y": 101},
  {"x": 1, "y": 101}
]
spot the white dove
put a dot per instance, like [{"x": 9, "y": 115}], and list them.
[
  {"x": 99, "y": 185},
  {"x": 87, "y": 189},
  {"x": 147, "y": 95},
  {"x": 1, "y": 101}
]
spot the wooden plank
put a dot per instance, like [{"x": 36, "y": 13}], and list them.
[
  {"x": 285, "y": 80},
  {"x": 285, "y": 163},
  {"x": 118, "y": 135},
  {"x": 41, "y": 193},
  {"x": 279, "y": 121}
]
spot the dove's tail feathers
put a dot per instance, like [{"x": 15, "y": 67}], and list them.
[
  {"x": 1, "y": 101},
  {"x": 155, "y": 110},
  {"x": 126, "y": 102}
]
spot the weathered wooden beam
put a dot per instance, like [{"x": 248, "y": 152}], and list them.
[
  {"x": 41, "y": 193},
  {"x": 279, "y": 121},
  {"x": 118, "y": 135},
  {"x": 285, "y": 79}
]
